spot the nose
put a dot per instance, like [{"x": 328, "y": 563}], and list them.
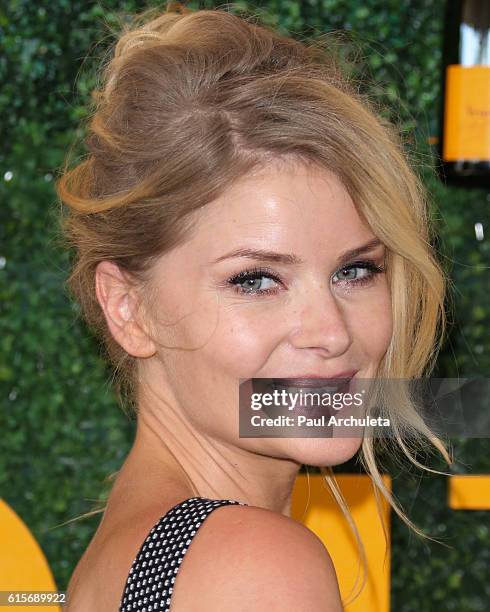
[{"x": 321, "y": 325}]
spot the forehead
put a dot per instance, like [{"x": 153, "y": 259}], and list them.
[
  {"x": 281, "y": 199},
  {"x": 288, "y": 209}
]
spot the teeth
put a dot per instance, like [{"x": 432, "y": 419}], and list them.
[{"x": 309, "y": 389}]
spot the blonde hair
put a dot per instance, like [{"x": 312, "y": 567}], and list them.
[{"x": 192, "y": 101}]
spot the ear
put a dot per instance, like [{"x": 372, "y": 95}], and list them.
[{"x": 118, "y": 299}]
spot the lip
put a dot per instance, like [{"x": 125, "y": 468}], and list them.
[{"x": 316, "y": 380}]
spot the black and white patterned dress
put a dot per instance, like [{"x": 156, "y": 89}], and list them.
[{"x": 152, "y": 575}]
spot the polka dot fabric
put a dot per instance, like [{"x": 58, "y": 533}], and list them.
[{"x": 152, "y": 575}]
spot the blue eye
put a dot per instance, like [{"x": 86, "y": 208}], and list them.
[
  {"x": 249, "y": 278},
  {"x": 251, "y": 282},
  {"x": 369, "y": 267}
]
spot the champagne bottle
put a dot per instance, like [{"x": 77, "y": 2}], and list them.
[{"x": 464, "y": 143}]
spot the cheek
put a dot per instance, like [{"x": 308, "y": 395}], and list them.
[
  {"x": 373, "y": 324},
  {"x": 243, "y": 342}
]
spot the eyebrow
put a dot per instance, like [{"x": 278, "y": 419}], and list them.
[{"x": 292, "y": 259}]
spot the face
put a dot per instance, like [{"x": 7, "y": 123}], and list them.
[{"x": 219, "y": 316}]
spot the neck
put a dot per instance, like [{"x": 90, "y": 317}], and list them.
[{"x": 168, "y": 450}]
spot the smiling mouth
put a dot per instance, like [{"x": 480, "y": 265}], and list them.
[
  {"x": 327, "y": 385},
  {"x": 308, "y": 391}
]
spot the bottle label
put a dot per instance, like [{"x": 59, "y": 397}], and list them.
[{"x": 467, "y": 114}]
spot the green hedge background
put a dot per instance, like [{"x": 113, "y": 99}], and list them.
[{"x": 62, "y": 431}]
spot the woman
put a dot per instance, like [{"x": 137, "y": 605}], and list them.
[{"x": 242, "y": 213}]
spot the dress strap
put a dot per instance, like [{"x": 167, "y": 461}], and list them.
[{"x": 152, "y": 575}]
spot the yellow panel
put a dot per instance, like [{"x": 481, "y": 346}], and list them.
[
  {"x": 23, "y": 566},
  {"x": 466, "y": 121},
  {"x": 469, "y": 492},
  {"x": 326, "y": 520}
]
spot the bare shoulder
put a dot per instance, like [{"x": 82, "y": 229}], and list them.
[
  {"x": 98, "y": 581},
  {"x": 250, "y": 558}
]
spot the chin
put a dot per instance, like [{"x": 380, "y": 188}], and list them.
[{"x": 323, "y": 452}]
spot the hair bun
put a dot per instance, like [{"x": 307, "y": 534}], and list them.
[{"x": 177, "y": 7}]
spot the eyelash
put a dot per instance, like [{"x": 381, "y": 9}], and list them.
[{"x": 255, "y": 273}]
